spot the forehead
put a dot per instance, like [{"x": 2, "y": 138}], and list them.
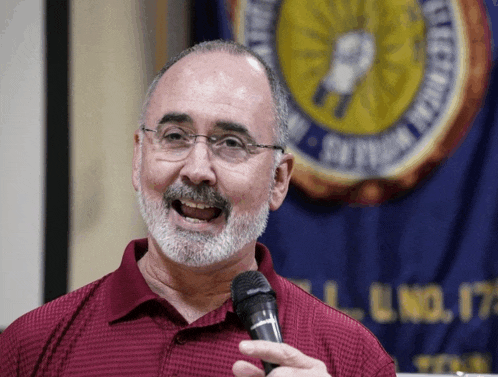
[{"x": 215, "y": 86}]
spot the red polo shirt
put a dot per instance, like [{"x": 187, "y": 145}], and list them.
[{"x": 117, "y": 326}]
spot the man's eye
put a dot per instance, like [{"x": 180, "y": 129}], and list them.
[
  {"x": 173, "y": 135},
  {"x": 232, "y": 142}
]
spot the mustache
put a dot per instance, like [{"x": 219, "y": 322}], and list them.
[{"x": 201, "y": 193}]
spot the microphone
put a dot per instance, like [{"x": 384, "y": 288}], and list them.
[{"x": 255, "y": 303}]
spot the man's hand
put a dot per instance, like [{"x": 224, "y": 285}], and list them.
[{"x": 292, "y": 361}]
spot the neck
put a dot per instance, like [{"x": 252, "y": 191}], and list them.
[{"x": 194, "y": 291}]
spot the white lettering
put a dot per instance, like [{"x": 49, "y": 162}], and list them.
[
  {"x": 436, "y": 12},
  {"x": 433, "y": 6},
  {"x": 432, "y": 96},
  {"x": 439, "y": 78},
  {"x": 440, "y": 48},
  {"x": 441, "y": 54},
  {"x": 389, "y": 149},
  {"x": 333, "y": 150},
  {"x": 418, "y": 121},
  {"x": 330, "y": 146},
  {"x": 404, "y": 138},
  {"x": 441, "y": 32},
  {"x": 424, "y": 110},
  {"x": 259, "y": 37},
  {"x": 443, "y": 65},
  {"x": 368, "y": 154},
  {"x": 260, "y": 20},
  {"x": 374, "y": 154},
  {"x": 361, "y": 150},
  {"x": 346, "y": 154}
]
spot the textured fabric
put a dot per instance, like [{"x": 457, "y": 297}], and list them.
[{"x": 117, "y": 326}]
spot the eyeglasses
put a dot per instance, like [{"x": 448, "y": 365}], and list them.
[{"x": 176, "y": 144}]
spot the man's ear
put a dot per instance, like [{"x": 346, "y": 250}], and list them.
[
  {"x": 282, "y": 179},
  {"x": 137, "y": 158}
]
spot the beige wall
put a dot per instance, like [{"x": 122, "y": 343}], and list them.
[{"x": 113, "y": 52}]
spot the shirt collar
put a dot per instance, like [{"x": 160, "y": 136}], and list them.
[{"x": 128, "y": 288}]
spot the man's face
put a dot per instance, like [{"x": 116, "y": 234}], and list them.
[{"x": 202, "y": 209}]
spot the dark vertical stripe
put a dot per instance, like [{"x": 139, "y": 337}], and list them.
[
  {"x": 209, "y": 20},
  {"x": 56, "y": 242}
]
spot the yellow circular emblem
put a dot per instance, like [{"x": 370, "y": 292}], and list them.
[
  {"x": 352, "y": 66},
  {"x": 380, "y": 91}
]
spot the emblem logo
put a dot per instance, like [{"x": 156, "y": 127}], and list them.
[{"x": 380, "y": 91}]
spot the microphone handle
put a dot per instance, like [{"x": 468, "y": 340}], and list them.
[
  {"x": 269, "y": 367},
  {"x": 263, "y": 325}
]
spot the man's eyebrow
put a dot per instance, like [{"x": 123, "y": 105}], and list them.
[
  {"x": 234, "y": 127},
  {"x": 175, "y": 118},
  {"x": 178, "y": 118}
]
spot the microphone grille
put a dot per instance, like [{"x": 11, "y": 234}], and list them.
[{"x": 249, "y": 284}]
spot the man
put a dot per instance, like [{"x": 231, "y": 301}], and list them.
[{"x": 208, "y": 166}]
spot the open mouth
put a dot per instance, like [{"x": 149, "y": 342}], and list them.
[{"x": 196, "y": 212}]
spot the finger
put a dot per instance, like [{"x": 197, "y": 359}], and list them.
[
  {"x": 296, "y": 372},
  {"x": 243, "y": 368},
  {"x": 285, "y": 372},
  {"x": 277, "y": 353}
]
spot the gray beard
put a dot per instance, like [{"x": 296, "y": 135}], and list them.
[{"x": 200, "y": 249}]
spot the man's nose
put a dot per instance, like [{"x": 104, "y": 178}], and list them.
[{"x": 198, "y": 165}]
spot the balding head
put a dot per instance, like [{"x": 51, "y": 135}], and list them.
[{"x": 278, "y": 93}]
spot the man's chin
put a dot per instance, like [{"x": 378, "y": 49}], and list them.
[
  {"x": 192, "y": 248},
  {"x": 194, "y": 255}
]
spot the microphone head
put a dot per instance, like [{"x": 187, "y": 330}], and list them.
[{"x": 250, "y": 290}]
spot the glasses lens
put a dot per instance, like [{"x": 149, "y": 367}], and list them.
[
  {"x": 176, "y": 143},
  {"x": 230, "y": 148}
]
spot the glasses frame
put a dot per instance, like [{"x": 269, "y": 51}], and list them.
[{"x": 194, "y": 136}]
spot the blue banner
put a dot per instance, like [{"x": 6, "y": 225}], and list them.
[{"x": 419, "y": 268}]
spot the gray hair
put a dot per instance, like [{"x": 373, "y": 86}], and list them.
[{"x": 279, "y": 94}]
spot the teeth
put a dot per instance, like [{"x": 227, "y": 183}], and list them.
[
  {"x": 189, "y": 203},
  {"x": 194, "y": 221}
]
